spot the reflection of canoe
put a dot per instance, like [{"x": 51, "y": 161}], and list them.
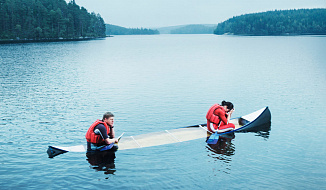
[{"x": 248, "y": 123}]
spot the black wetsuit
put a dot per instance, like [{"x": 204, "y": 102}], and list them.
[{"x": 104, "y": 135}]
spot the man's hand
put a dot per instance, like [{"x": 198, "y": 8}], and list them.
[{"x": 109, "y": 141}]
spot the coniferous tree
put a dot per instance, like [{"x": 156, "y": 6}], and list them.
[
  {"x": 47, "y": 19},
  {"x": 118, "y": 30},
  {"x": 285, "y": 22}
]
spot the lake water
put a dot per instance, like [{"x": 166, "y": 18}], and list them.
[{"x": 51, "y": 93}]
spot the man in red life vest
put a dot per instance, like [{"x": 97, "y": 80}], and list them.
[
  {"x": 218, "y": 117},
  {"x": 101, "y": 133}
]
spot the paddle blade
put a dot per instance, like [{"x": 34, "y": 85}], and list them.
[
  {"x": 53, "y": 151},
  {"x": 213, "y": 139}
]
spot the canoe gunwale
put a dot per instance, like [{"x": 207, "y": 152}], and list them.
[
  {"x": 251, "y": 124},
  {"x": 263, "y": 118}
]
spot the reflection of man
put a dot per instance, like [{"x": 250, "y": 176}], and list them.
[
  {"x": 101, "y": 133},
  {"x": 102, "y": 161}
]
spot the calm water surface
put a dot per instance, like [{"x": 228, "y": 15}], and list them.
[{"x": 51, "y": 93}]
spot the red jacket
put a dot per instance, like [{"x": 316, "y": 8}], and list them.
[
  {"x": 216, "y": 114},
  {"x": 94, "y": 138}
]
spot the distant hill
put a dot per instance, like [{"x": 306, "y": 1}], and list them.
[
  {"x": 167, "y": 30},
  {"x": 118, "y": 30},
  {"x": 283, "y": 22},
  {"x": 194, "y": 29},
  {"x": 188, "y": 29}
]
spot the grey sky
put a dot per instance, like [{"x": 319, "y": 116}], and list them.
[{"x": 160, "y": 13}]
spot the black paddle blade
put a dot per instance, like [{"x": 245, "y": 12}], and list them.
[{"x": 53, "y": 151}]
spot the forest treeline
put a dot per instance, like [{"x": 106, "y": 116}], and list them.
[
  {"x": 48, "y": 19},
  {"x": 118, "y": 30},
  {"x": 194, "y": 29},
  {"x": 282, "y": 22}
]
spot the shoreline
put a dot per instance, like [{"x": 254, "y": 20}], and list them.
[
  {"x": 284, "y": 34},
  {"x": 12, "y": 41}
]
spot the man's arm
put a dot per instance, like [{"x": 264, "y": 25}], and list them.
[
  {"x": 103, "y": 132},
  {"x": 112, "y": 133},
  {"x": 109, "y": 141}
]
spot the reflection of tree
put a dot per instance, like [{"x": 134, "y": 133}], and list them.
[{"x": 102, "y": 161}]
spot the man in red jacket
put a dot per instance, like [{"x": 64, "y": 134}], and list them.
[{"x": 101, "y": 133}]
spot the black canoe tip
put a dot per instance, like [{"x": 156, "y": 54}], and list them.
[{"x": 53, "y": 151}]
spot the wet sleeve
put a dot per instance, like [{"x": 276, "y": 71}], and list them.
[
  {"x": 103, "y": 131},
  {"x": 221, "y": 114}
]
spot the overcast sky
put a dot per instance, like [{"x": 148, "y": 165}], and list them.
[{"x": 161, "y": 13}]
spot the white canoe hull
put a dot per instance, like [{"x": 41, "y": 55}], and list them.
[{"x": 245, "y": 123}]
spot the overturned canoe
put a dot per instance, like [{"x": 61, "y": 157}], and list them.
[
  {"x": 248, "y": 123},
  {"x": 163, "y": 137},
  {"x": 144, "y": 140},
  {"x": 251, "y": 121}
]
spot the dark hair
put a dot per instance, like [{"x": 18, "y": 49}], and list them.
[
  {"x": 229, "y": 105},
  {"x": 107, "y": 115}
]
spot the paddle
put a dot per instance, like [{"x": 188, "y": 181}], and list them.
[{"x": 213, "y": 138}]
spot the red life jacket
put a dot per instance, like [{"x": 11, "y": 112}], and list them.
[
  {"x": 94, "y": 138},
  {"x": 211, "y": 117}
]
